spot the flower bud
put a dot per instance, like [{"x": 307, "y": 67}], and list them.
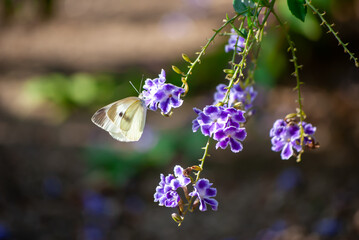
[
  {"x": 177, "y": 218},
  {"x": 228, "y": 71},
  {"x": 186, "y": 58},
  {"x": 177, "y": 70},
  {"x": 196, "y": 168},
  {"x": 290, "y": 116}
]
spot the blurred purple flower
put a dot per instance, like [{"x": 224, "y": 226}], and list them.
[
  {"x": 158, "y": 94},
  {"x": 92, "y": 233},
  {"x": 4, "y": 232},
  {"x": 205, "y": 193},
  {"x": 52, "y": 186},
  {"x": 289, "y": 178},
  {"x": 309, "y": 131},
  {"x": 93, "y": 203},
  {"x": 234, "y": 40},
  {"x": 236, "y": 95},
  {"x": 328, "y": 227},
  {"x": 274, "y": 232}
]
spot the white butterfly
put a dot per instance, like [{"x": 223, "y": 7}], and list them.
[{"x": 124, "y": 119}]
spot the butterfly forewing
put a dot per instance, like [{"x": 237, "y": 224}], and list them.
[
  {"x": 101, "y": 119},
  {"x": 121, "y": 113}
]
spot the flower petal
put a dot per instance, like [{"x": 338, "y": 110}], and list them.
[
  {"x": 236, "y": 146},
  {"x": 287, "y": 151}
]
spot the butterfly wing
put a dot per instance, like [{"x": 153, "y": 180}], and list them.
[
  {"x": 131, "y": 122},
  {"x": 124, "y": 119},
  {"x": 101, "y": 119}
]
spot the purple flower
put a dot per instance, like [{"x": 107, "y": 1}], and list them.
[
  {"x": 232, "y": 136},
  {"x": 168, "y": 96},
  {"x": 205, "y": 194},
  {"x": 158, "y": 94},
  {"x": 224, "y": 124},
  {"x": 210, "y": 120},
  {"x": 309, "y": 131},
  {"x": 182, "y": 180},
  {"x": 236, "y": 95},
  {"x": 286, "y": 137},
  {"x": 233, "y": 40},
  {"x": 166, "y": 194},
  {"x": 235, "y": 117},
  {"x": 150, "y": 89}
]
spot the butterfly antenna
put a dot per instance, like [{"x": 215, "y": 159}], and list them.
[{"x": 134, "y": 88}]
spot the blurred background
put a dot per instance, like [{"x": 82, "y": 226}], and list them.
[{"x": 61, "y": 177}]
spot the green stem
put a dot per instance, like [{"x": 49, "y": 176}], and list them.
[
  {"x": 190, "y": 202},
  {"x": 329, "y": 26},
  {"x": 203, "y": 50},
  {"x": 296, "y": 74},
  {"x": 238, "y": 68}
]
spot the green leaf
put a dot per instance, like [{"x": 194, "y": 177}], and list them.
[
  {"x": 297, "y": 8},
  {"x": 241, "y": 6}
]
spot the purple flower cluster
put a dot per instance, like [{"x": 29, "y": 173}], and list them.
[
  {"x": 286, "y": 137},
  {"x": 167, "y": 195},
  {"x": 236, "y": 95},
  {"x": 158, "y": 94},
  {"x": 233, "y": 39},
  {"x": 223, "y": 124}
]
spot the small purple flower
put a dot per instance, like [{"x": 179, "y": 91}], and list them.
[
  {"x": 158, "y": 94},
  {"x": 205, "y": 194},
  {"x": 224, "y": 124},
  {"x": 166, "y": 194},
  {"x": 150, "y": 89},
  {"x": 210, "y": 120},
  {"x": 181, "y": 178},
  {"x": 232, "y": 136},
  {"x": 286, "y": 137},
  {"x": 236, "y": 95},
  {"x": 287, "y": 140},
  {"x": 233, "y": 40},
  {"x": 235, "y": 117},
  {"x": 309, "y": 131},
  {"x": 168, "y": 96}
]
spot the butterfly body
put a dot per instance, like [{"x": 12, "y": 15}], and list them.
[{"x": 123, "y": 119}]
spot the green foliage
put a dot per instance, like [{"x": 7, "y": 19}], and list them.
[
  {"x": 298, "y": 8},
  {"x": 241, "y": 6},
  {"x": 310, "y": 28},
  {"x": 272, "y": 60}
]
